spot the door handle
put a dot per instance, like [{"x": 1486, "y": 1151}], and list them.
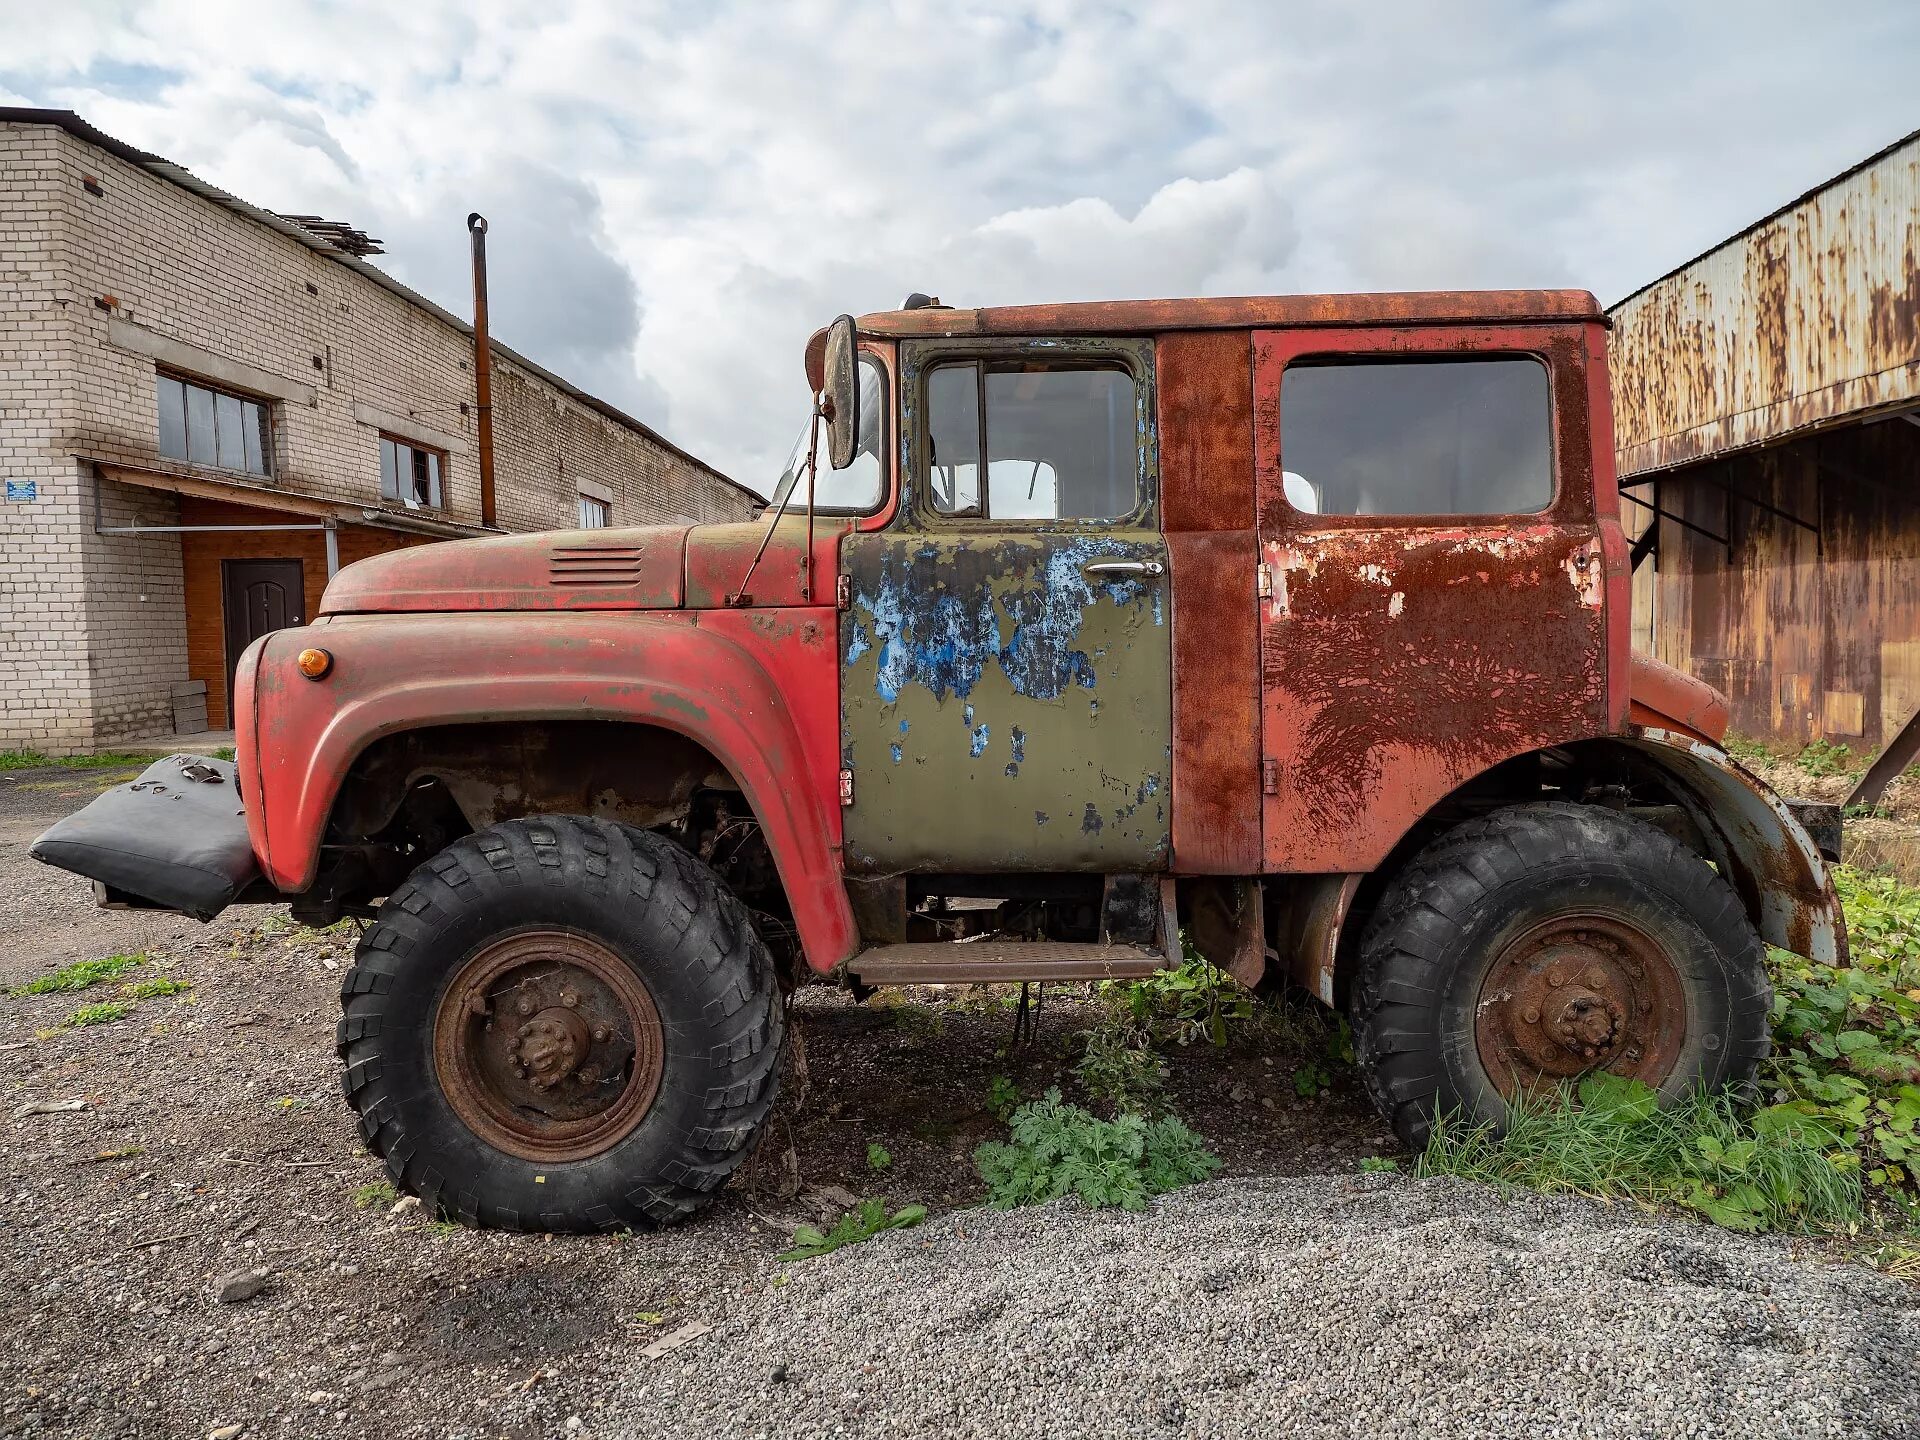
[{"x": 1123, "y": 567}]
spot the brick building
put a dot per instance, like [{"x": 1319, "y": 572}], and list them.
[{"x": 206, "y": 408}]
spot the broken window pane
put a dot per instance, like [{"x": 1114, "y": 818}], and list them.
[
  {"x": 173, "y": 418},
  {"x": 389, "y": 469},
  {"x": 253, "y": 420},
  {"x": 233, "y": 450},
  {"x": 1420, "y": 437},
  {"x": 200, "y": 447}
]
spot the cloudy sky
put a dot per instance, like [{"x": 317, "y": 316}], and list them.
[{"x": 679, "y": 193}]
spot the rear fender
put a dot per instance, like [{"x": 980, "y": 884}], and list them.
[
  {"x": 1767, "y": 856},
  {"x": 744, "y": 684}
]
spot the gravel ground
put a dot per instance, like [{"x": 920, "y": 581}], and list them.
[{"x": 1293, "y": 1297}]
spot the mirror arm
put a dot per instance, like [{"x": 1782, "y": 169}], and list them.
[{"x": 740, "y": 596}]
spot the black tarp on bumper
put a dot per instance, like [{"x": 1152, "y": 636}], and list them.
[{"x": 176, "y": 838}]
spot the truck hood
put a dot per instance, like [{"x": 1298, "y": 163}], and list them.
[{"x": 652, "y": 567}]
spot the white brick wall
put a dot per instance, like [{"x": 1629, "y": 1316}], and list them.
[{"x": 92, "y": 628}]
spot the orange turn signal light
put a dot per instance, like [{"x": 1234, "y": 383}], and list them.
[{"x": 314, "y": 663}]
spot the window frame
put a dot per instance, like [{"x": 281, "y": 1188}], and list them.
[
  {"x": 1559, "y": 349},
  {"x": 920, "y": 358},
  {"x": 581, "y": 501},
  {"x": 269, "y": 458},
  {"x": 401, "y": 442}
]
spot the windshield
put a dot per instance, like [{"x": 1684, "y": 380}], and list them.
[{"x": 855, "y": 489}]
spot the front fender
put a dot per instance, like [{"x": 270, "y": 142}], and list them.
[
  {"x": 754, "y": 687},
  {"x": 1767, "y": 855}
]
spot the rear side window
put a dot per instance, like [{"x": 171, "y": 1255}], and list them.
[
  {"x": 1061, "y": 442},
  {"x": 1424, "y": 437}
]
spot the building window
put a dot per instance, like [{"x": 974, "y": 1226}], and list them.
[
  {"x": 411, "y": 474},
  {"x": 595, "y": 514},
  {"x": 211, "y": 427}
]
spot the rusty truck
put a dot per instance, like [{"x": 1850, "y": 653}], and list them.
[{"x": 1296, "y": 626}]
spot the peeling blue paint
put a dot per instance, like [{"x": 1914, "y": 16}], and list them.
[
  {"x": 927, "y": 634},
  {"x": 1091, "y": 823},
  {"x": 895, "y": 748},
  {"x": 1019, "y": 744},
  {"x": 979, "y": 743},
  {"x": 1040, "y": 817},
  {"x": 905, "y": 725}
]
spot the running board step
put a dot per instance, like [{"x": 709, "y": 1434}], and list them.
[{"x": 947, "y": 962}]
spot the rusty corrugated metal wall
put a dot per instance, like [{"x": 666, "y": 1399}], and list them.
[{"x": 1767, "y": 380}]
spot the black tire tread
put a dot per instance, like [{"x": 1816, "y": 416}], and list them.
[
  {"x": 1405, "y": 955},
  {"x": 716, "y": 934}
]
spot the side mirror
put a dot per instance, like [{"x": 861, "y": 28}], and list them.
[{"x": 841, "y": 377}]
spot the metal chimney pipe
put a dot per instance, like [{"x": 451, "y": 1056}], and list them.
[{"x": 482, "y": 363}]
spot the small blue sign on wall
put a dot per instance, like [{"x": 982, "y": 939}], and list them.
[{"x": 23, "y": 490}]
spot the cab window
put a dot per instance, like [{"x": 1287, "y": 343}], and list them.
[
  {"x": 1417, "y": 437},
  {"x": 1061, "y": 441}
]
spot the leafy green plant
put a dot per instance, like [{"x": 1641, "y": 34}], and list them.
[
  {"x": 1747, "y": 751},
  {"x": 103, "y": 1013},
  {"x": 1609, "y": 1138},
  {"x": 1119, "y": 1063},
  {"x": 378, "y": 1195},
  {"x": 1059, "y": 1149},
  {"x": 1003, "y": 1096},
  {"x": 157, "y": 986},
  {"x": 80, "y": 974},
  {"x": 1823, "y": 757},
  {"x": 877, "y": 1156},
  {"x": 1379, "y": 1165},
  {"x": 1846, "y": 1053},
  {"x": 866, "y": 1220},
  {"x": 1311, "y": 1079},
  {"x": 1193, "y": 1002}
]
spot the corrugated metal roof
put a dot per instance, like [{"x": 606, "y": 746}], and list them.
[
  {"x": 1808, "y": 317},
  {"x": 75, "y": 125}
]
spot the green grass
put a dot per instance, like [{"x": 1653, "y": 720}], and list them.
[
  {"x": 104, "y": 1012},
  {"x": 866, "y": 1220},
  {"x": 105, "y": 760},
  {"x": 1609, "y": 1140},
  {"x": 224, "y": 752},
  {"x": 157, "y": 986},
  {"x": 378, "y": 1195},
  {"x": 1058, "y": 1149},
  {"x": 80, "y": 974}
]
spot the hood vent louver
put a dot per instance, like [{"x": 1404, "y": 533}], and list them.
[{"x": 596, "y": 564}]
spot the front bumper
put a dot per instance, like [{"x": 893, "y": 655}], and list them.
[{"x": 175, "y": 839}]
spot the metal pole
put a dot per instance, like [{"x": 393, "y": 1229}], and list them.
[
  {"x": 333, "y": 549},
  {"x": 482, "y": 363}
]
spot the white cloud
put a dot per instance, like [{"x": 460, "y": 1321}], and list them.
[{"x": 679, "y": 194}]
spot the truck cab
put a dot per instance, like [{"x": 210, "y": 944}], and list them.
[{"x": 1294, "y": 626}]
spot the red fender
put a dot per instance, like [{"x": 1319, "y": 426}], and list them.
[{"x": 756, "y": 688}]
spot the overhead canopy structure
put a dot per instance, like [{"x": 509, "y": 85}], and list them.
[{"x": 1767, "y": 422}]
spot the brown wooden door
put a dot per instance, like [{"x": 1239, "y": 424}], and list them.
[{"x": 260, "y": 596}]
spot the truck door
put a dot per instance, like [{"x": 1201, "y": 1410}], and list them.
[
  {"x": 1005, "y": 698},
  {"x": 1432, "y": 591}
]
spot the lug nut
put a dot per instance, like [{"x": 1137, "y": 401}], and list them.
[
  {"x": 524, "y": 1005},
  {"x": 589, "y": 1075},
  {"x": 1532, "y": 1015},
  {"x": 1556, "y": 977},
  {"x": 569, "y": 998},
  {"x": 602, "y": 1034}
]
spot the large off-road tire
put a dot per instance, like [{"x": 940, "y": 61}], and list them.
[
  {"x": 561, "y": 1024},
  {"x": 1533, "y": 945}
]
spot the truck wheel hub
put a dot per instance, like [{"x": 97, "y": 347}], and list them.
[
  {"x": 551, "y": 1046},
  {"x": 1577, "y": 993},
  {"x": 548, "y": 1045}
]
